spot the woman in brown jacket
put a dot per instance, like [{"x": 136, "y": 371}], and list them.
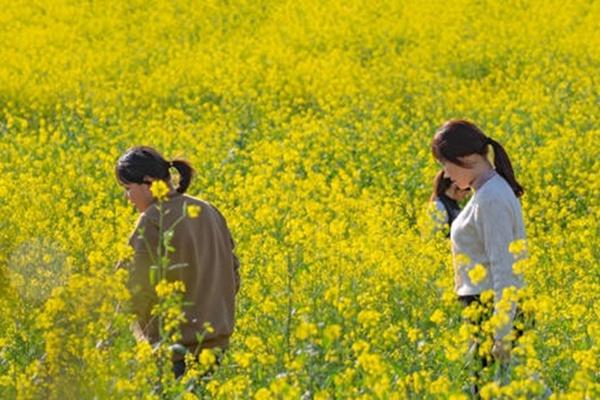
[{"x": 203, "y": 248}]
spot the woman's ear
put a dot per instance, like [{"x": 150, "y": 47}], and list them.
[
  {"x": 470, "y": 160},
  {"x": 148, "y": 180}
]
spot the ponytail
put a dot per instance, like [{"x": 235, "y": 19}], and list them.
[
  {"x": 504, "y": 167},
  {"x": 185, "y": 174},
  {"x": 142, "y": 161}
]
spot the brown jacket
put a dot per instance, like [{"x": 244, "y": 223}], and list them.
[{"x": 210, "y": 272}]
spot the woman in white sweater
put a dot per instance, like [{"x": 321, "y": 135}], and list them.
[{"x": 487, "y": 225}]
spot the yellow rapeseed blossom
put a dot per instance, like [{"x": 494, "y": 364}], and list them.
[
  {"x": 263, "y": 394},
  {"x": 438, "y": 317},
  {"x": 518, "y": 248},
  {"x": 159, "y": 189},
  {"x": 165, "y": 288},
  {"x": 368, "y": 317},
  {"x": 193, "y": 211},
  {"x": 487, "y": 296},
  {"x": 413, "y": 334},
  {"x": 332, "y": 332},
  {"x": 305, "y": 330},
  {"x": 243, "y": 359},
  {"x": 207, "y": 357},
  {"x": 477, "y": 274},
  {"x": 253, "y": 343}
]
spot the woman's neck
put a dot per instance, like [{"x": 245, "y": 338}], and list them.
[{"x": 483, "y": 172}]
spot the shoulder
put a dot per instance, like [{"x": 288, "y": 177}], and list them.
[
  {"x": 496, "y": 191},
  {"x": 497, "y": 202},
  {"x": 195, "y": 201},
  {"x": 206, "y": 207},
  {"x": 177, "y": 205}
]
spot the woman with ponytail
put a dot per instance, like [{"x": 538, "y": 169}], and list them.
[
  {"x": 202, "y": 250},
  {"x": 487, "y": 225}
]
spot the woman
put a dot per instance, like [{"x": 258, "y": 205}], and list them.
[
  {"x": 445, "y": 198},
  {"x": 202, "y": 250},
  {"x": 487, "y": 225}
]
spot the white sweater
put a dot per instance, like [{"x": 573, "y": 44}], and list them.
[{"x": 483, "y": 231}]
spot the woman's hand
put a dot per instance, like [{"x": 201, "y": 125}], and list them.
[{"x": 501, "y": 351}]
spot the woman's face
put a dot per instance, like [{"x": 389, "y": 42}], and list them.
[
  {"x": 461, "y": 176},
  {"x": 139, "y": 195}
]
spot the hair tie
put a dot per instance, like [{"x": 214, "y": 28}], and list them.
[
  {"x": 170, "y": 164},
  {"x": 489, "y": 141}
]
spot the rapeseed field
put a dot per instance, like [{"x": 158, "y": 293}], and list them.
[{"x": 309, "y": 124}]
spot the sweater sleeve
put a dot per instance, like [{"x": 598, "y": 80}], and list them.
[
  {"x": 144, "y": 241},
  {"x": 495, "y": 226}
]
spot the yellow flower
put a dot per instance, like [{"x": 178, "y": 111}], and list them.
[
  {"x": 438, "y": 317},
  {"x": 518, "y": 248},
  {"x": 253, "y": 343},
  {"x": 487, "y": 296},
  {"x": 368, "y": 317},
  {"x": 212, "y": 387},
  {"x": 452, "y": 353},
  {"x": 305, "y": 330},
  {"x": 490, "y": 391},
  {"x": 243, "y": 359},
  {"x": 193, "y": 211},
  {"x": 207, "y": 357},
  {"x": 332, "y": 332},
  {"x": 477, "y": 274},
  {"x": 372, "y": 363},
  {"x": 208, "y": 327},
  {"x": 360, "y": 346},
  {"x": 159, "y": 190},
  {"x": 461, "y": 259},
  {"x": 263, "y": 394},
  {"x": 322, "y": 395},
  {"x": 165, "y": 288}
]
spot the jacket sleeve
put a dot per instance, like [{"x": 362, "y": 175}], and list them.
[
  {"x": 495, "y": 225},
  {"x": 144, "y": 241}
]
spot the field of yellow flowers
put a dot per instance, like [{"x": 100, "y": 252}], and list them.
[{"x": 309, "y": 124}]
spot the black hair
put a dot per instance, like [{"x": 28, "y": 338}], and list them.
[
  {"x": 143, "y": 161},
  {"x": 459, "y": 138},
  {"x": 440, "y": 185}
]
